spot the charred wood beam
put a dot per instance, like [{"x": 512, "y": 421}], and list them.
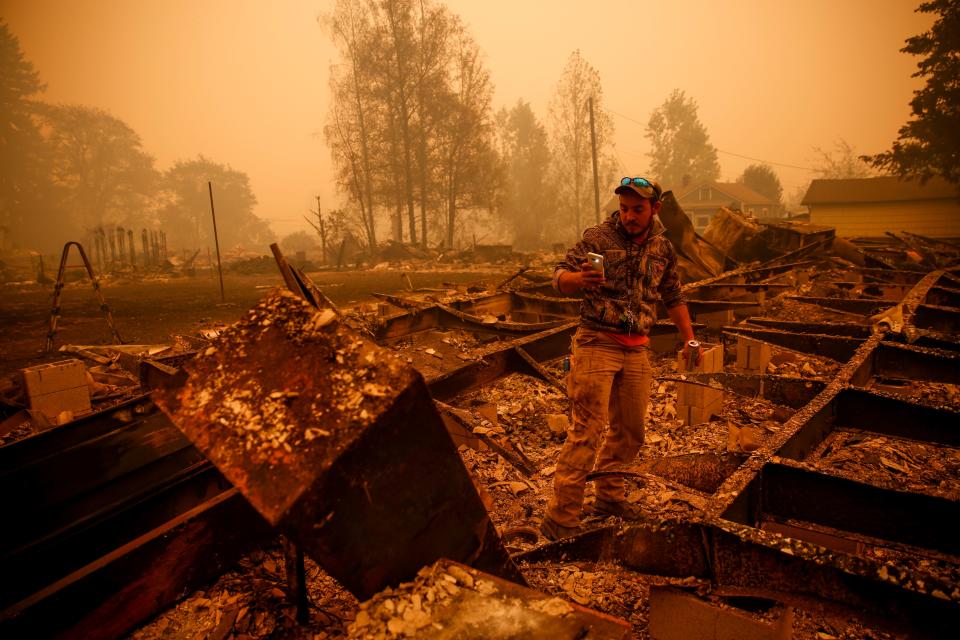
[
  {"x": 782, "y": 390},
  {"x": 912, "y": 362},
  {"x": 849, "y": 305},
  {"x": 824, "y": 328},
  {"x": 839, "y": 348}
]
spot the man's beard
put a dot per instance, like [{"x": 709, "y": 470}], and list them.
[{"x": 641, "y": 233}]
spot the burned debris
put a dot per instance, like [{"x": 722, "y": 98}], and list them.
[{"x": 804, "y": 480}]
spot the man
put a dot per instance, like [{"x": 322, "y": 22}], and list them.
[{"x": 610, "y": 371}]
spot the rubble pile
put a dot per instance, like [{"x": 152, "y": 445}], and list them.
[{"x": 805, "y": 415}]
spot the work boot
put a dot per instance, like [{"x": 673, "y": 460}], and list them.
[
  {"x": 622, "y": 509},
  {"x": 553, "y": 531}
]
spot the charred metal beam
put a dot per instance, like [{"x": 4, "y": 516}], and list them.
[
  {"x": 711, "y": 306},
  {"x": 848, "y": 305},
  {"x": 739, "y": 559},
  {"x": 839, "y": 348},
  {"x": 338, "y": 444},
  {"x": 725, "y": 291},
  {"x": 918, "y": 520},
  {"x": 942, "y": 296},
  {"x": 937, "y": 318},
  {"x": 892, "y": 276},
  {"x": 542, "y": 346},
  {"x": 541, "y": 304},
  {"x": 824, "y": 328},
  {"x": 891, "y": 416},
  {"x": 112, "y": 594},
  {"x": 894, "y": 360}
]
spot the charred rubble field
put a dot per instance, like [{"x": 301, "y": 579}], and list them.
[{"x": 772, "y": 457}]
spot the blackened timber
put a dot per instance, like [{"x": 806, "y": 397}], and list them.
[
  {"x": 823, "y": 328},
  {"x": 839, "y": 348},
  {"x": 893, "y": 360},
  {"x": 849, "y": 305}
]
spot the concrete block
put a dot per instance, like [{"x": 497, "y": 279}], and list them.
[
  {"x": 693, "y": 415},
  {"x": 752, "y": 355},
  {"x": 56, "y": 376},
  {"x": 695, "y": 395},
  {"x": 676, "y": 615},
  {"x": 57, "y": 389}
]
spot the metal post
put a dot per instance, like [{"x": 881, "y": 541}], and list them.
[
  {"x": 593, "y": 147},
  {"x": 216, "y": 241}
]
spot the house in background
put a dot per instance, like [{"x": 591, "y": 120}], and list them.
[
  {"x": 701, "y": 201},
  {"x": 869, "y": 207}
]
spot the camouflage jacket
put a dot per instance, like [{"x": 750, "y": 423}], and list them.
[{"x": 635, "y": 276}]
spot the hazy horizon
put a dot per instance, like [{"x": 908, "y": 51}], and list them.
[{"x": 245, "y": 83}]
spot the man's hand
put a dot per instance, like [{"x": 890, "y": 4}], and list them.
[
  {"x": 687, "y": 353},
  {"x": 588, "y": 278}
]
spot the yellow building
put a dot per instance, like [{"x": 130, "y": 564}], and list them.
[{"x": 869, "y": 207}]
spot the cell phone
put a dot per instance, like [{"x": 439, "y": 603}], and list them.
[{"x": 596, "y": 262}]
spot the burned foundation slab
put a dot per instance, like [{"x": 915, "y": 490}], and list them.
[{"x": 337, "y": 443}]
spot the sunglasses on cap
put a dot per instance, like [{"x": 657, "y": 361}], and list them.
[{"x": 636, "y": 182}]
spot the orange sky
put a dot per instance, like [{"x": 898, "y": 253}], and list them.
[{"x": 245, "y": 82}]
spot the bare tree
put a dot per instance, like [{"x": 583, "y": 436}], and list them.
[{"x": 570, "y": 136}]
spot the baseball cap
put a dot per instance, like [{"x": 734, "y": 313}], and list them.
[{"x": 643, "y": 187}]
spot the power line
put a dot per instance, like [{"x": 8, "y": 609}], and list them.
[{"x": 729, "y": 153}]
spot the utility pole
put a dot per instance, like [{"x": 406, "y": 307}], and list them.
[
  {"x": 216, "y": 240},
  {"x": 593, "y": 147}
]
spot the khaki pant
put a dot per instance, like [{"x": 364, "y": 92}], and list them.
[{"x": 606, "y": 379}]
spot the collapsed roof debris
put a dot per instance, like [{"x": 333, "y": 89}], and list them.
[{"x": 819, "y": 496}]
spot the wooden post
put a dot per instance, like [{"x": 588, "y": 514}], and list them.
[{"x": 216, "y": 241}]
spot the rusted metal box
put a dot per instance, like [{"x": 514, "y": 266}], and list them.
[{"x": 338, "y": 444}]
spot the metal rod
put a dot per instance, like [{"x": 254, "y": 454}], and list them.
[{"x": 216, "y": 240}]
